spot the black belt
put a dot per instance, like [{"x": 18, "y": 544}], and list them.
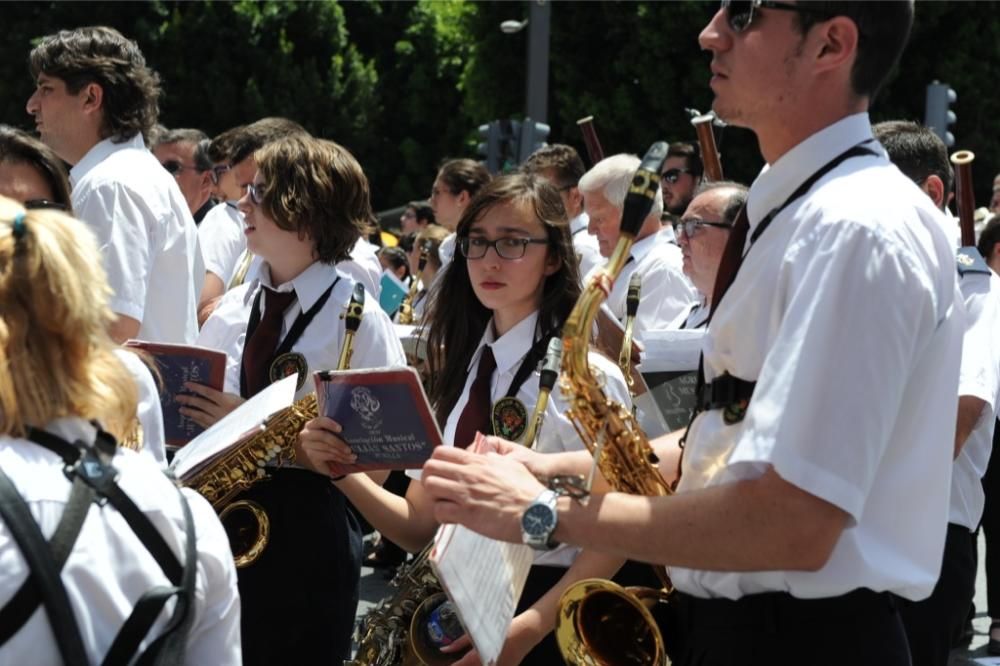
[
  {"x": 773, "y": 611},
  {"x": 728, "y": 393}
]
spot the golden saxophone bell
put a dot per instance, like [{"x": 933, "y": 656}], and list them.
[
  {"x": 601, "y": 623},
  {"x": 248, "y": 528},
  {"x": 425, "y": 653}
]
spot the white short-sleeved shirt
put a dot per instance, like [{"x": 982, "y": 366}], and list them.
[
  {"x": 586, "y": 246},
  {"x": 447, "y": 249},
  {"x": 375, "y": 344},
  {"x": 149, "y": 410},
  {"x": 665, "y": 291},
  {"x": 147, "y": 238},
  {"x": 222, "y": 240},
  {"x": 980, "y": 378},
  {"x": 846, "y": 314},
  {"x": 557, "y": 433},
  {"x": 109, "y": 569}
]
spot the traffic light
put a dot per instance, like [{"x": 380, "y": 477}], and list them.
[
  {"x": 489, "y": 147},
  {"x": 938, "y": 115},
  {"x": 510, "y": 134},
  {"x": 533, "y": 135}
]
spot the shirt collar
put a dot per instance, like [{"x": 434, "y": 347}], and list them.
[
  {"x": 641, "y": 248},
  {"x": 309, "y": 285},
  {"x": 778, "y": 181},
  {"x": 579, "y": 223},
  {"x": 511, "y": 347},
  {"x": 98, "y": 153}
]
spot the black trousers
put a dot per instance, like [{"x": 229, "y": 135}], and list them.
[
  {"x": 991, "y": 528},
  {"x": 858, "y": 628},
  {"x": 934, "y": 624},
  {"x": 299, "y": 599}
]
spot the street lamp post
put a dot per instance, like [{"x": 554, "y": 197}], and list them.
[{"x": 537, "y": 93}]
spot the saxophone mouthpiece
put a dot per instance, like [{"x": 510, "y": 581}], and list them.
[
  {"x": 632, "y": 298},
  {"x": 550, "y": 368},
  {"x": 642, "y": 193}
]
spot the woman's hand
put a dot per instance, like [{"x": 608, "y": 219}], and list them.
[
  {"x": 521, "y": 639},
  {"x": 207, "y": 406},
  {"x": 319, "y": 444},
  {"x": 537, "y": 463}
]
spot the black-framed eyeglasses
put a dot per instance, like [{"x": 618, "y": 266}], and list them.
[
  {"x": 35, "y": 204},
  {"x": 673, "y": 175},
  {"x": 175, "y": 167},
  {"x": 506, "y": 248},
  {"x": 256, "y": 192},
  {"x": 217, "y": 172},
  {"x": 740, "y": 13},
  {"x": 690, "y": 226}
]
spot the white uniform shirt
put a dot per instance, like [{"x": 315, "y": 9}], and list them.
[
  {"x": 665, "y": 291},
  {"x": 557, "y": 433},
  {"x": 222, "y": 240},
  {"x": 694, "y": 316},
  {"x": 447, "y": 249},
  {"x": 149, "y": 411},
  {"x": 375, "y": 344},
  {"x": 980, "y": 378},
  {"x": 845, "y": 312},
  {"x": 585, "y": 245},
  {"x": 365, "y": 267},
  {"x": 147, "y": 237},
  {"x": 109, "y": 569}
]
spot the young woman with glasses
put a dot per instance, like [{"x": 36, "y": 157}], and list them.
[{"x": 509, "y": 289}]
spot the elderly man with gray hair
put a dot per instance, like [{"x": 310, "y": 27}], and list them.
[{"x": 655, "y": 256}]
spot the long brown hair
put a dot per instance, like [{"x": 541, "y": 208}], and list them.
[{"x": 456, "y": 319}]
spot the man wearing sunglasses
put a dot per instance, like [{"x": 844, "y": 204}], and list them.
[
  {"x": 702, "y": 233},
  {"x": 95, "y": 102},
  {"x": 813, "y": 486},
  {"x": 182, "y": 152},
  {"x": 680, "y": 176}
]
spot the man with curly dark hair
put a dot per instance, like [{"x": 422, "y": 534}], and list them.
[{"x": 95, "y": 103}]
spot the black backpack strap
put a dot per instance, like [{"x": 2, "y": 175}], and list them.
[
  {"x": 44, "y": 572},
  {"x": 26, "y": 600}
]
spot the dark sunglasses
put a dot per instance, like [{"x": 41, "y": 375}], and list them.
[
  {"x": 673, "y": 175},
  {"x": 740, "y": 13},
  {"x": 34, "y": 204},
  {"x": 174, "y": 167}
]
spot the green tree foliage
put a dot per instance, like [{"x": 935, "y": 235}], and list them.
[{"x": 405, "y": 84}]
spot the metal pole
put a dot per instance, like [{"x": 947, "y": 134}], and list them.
[{"x": 538, "y": 61}]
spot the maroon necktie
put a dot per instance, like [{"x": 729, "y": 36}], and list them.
[
  {"x": 259, "y": 349},
  {"x": 476, "y": 415}
]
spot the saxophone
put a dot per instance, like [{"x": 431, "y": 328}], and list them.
[
  {"x": 246, "y": 465},
  {"x": 406, "y": 307},
  {"x": 590, "y": 627}
]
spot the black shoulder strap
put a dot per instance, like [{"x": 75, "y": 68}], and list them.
[{"x": 44, "y": 568}]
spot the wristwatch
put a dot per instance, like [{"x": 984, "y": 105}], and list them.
[{"x": 539, "y": 521}]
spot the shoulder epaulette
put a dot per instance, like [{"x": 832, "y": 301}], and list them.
[{"x": 969, "y": 260}]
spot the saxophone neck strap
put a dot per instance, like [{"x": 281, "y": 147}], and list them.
[{"x": 94, "y": 480}]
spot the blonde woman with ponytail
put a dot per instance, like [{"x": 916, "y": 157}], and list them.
[{"x": 62, "y": 385}]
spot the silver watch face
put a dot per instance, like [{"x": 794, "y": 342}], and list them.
[{"x": 538, "y": 520}]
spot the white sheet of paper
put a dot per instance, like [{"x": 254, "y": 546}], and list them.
[
  {"x": 235, "y": 425},
  {"x": 484, "y": 579},
  {"x": 672, "y": 350}
]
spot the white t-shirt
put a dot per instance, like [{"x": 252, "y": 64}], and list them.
[
  {"x": 557, "y": 433},
  {"x": 109, "y": 569},
  {"x": 980, "y": 378},
  {"x": 150, "y": 412},
  {"x": 375, "y": 344},
  {"x": 146, "y": 235},
  {"x": 665, "y": 291},
  {"x": 845, "y": 312},
  {"x": 222, "y": 240}
]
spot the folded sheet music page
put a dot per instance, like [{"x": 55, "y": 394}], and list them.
[{"x": 484, "y": 579}]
